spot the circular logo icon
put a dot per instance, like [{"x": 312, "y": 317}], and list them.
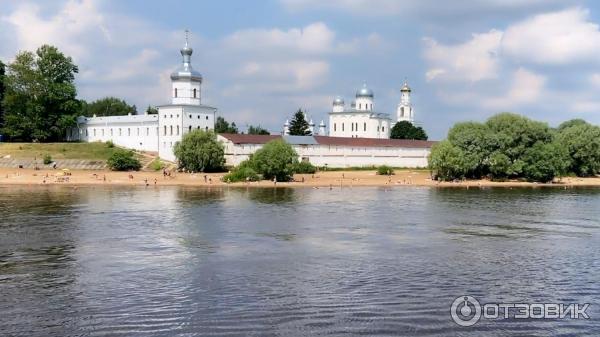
[{"x": 465, "y": 311}]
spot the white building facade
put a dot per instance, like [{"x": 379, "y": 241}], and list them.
[
  {"x": 338, "y": 152},
  {"x": 361, "y": 120},
  {"x": 156, "y": 132}
]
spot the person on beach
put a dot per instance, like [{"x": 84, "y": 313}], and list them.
[
  {"x": 274, "y": 181},
  {"x": 205, "y": 179}
]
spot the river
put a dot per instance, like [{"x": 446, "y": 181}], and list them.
[{"x": 176, "y": 261}]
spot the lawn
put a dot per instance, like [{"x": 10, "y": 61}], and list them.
[{"x": 86, "y": 151}]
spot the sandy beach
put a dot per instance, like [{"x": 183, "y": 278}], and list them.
[{"x": 11, "y": 176}]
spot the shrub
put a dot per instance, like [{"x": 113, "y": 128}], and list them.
[
  {"x": 304, "y": 167},
  {"x": 47, "y": 159},
  {"x": 199, "y": 151},
  {"x": 385, "y": 170},
  {"x": 447, "y": 161},
  {"x": 242, "y": 173},
  {"x": 123, "y": 160},
  {"x": 276, "y": 159},
  {"x": 157, "y": 165},
  {"x": 110, "y": 144}
]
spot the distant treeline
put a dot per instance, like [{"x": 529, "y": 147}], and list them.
[{"x": 510, "y": 146}]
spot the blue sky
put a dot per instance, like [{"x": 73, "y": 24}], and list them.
[{"x": 262, "y": 60}]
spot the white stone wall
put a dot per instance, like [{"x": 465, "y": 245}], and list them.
[
  {"x": 338, "y": 156},
  {"x": 138, "y": 132}
]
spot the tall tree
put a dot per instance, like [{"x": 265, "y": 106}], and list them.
[
  {"x": 223, "y": 126},
  {"x": 40, "y": 100},
  {"x": 257, "y": 130},
  {"x": 108, "y": 106},
  {"x": 299, "y": 126},
  {"x": 406, "y": 130},
  {"x": 2, "y": 89},
  {"x": 151, "y": 110}
]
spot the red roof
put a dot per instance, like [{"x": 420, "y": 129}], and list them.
[
  {"x": 332, "y": 141},
  {"x": 373, "y": 142},
  {"x": 238, "y": 138}
]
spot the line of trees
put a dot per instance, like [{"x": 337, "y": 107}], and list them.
[{"x": 510, "y": 146}]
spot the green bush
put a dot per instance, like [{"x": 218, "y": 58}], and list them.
[
  {"x": 276, "y": 159},
  {"x": 123, "y": 160},
  {"x": 47, "y": 159},
  {"x": 200, "y": 151},
  {"x": 242, "y": 173},
  {"x": 157, "y": 165},
  {"x": 582, "y": 143},
  {"x": 304, "y": 167},
  {"x": 447, "y": 161},
  {"x": 110, "y": 144},
  {"x": 385, "y": 170}
]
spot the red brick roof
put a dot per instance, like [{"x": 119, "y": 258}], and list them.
[
  {"x": 373, "y": 142},
  {"x": 332, "y": 141}
]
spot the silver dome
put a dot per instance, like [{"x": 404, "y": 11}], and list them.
[
  {"x": 338, "y": 101},
  {"x": 185, "y": 70},
  {"x": 364, "y": 92}
]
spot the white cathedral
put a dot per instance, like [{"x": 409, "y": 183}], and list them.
[{"x": 361, "y": 120}]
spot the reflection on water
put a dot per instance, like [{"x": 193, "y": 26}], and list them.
[{"x": 291, "y": 262}]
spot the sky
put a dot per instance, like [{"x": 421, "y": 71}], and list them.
[{"x": 262, "y": 60}]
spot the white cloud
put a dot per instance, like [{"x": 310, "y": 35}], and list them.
[
  {"x": 474, "y": 60},
  {"x": 286, "y": 77},
  {"x": 526, "y": 87},
  {"x": 554, "y": 38},
  {"x": 312, "y": 39},
  {"x": 430, "y": 8}
]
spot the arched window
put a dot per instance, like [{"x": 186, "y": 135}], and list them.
[
  {"x": 178, "y": 130},
  {"x": 194, "y": 92},
  {"x": 334, "y": 127},
  {"x": 359, "y": 106},
  {"x": 190, "y": 129},
  {"x": 128, "y": 132},
  {"x": 165, "y": 133},
  {"x": 382, "y": 128},
  {"x": 352, "y": 127},
  {"x": 119, "y": 132},
  {"x": 342, "y": 126},
  {"x": 171, "y": 130},
  {"x": 175, "y": 92},
  {"x": 365, "y": 126},
  {"x": 206, "y": 128}
]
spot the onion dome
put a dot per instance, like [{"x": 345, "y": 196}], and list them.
[
  {"x": 338, "y": 101},
  {"x": 185, "y": 70},
  {"x": 364, "y": 92},
  {"x": 405, "y": 87}
]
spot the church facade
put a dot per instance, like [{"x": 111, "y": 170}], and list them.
[{"x": 361, "y": 119}]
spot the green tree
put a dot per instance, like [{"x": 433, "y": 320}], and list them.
[
  {"x": 257, "y": 130},
  {"x": 406, "y": 130},
  {"x": 472, "y": 139},
  {"x": 544, "y": 161},
  {"x": 123, "y": 160},
  {"x": 572, "y": 122},
  {"x": 150, "y": 110},
  {"x": 447, "y": 161},
  {"x": 108, "y": 106},
  {"x": 276, "y": 159},
  {"x": 582, "y": 143},
  {"x": 2, "y": 90},
  {"x": 199, "y": 151},
  {"x": 223, "y": 126},
  {"x": 40, "y": 100},
  {"x": 299, "y": 126}
]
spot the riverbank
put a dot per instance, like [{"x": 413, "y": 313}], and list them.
[{"x": 9, "y": 176}]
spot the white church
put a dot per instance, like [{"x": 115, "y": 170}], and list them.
[
  {"x": 361, "y": 120},
  {"x": 358, "y": 135},
  {"x": 160, "y": 132}
]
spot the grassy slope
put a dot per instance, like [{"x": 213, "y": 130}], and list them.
[{"x": 87, "y": 151}]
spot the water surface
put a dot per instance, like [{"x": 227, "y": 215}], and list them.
[{"x": 173, "y": 261}]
